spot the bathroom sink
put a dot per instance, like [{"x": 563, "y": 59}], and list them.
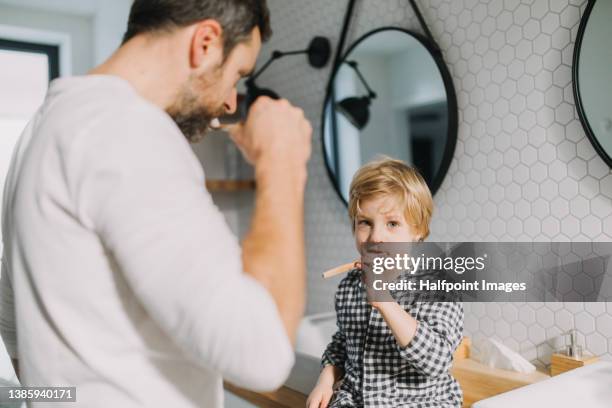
[
  {"x": 589, "y": 387},
  {"x": 313, "y": 335}
]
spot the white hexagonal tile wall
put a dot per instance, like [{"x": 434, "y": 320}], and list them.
[{"x": 519, "y": 137}]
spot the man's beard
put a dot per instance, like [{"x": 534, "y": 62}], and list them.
[{"x": 191, "y": 114}]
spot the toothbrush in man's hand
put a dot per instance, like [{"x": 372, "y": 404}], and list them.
[{"x": 338, "y": 270}]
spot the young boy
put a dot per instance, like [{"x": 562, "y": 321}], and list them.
[{"x": 386, "y": 353}]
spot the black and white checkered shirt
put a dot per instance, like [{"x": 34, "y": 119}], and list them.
[{"x": 378, "y": 372}]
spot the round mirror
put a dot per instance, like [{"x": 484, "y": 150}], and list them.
[
  {"x": 392, "y": 95},
  {"x": 593, "y": 77}
]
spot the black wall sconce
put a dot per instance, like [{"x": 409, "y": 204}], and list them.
[
  {"x": 357, "y": 108},
  {"x": 318, "y": 54}
]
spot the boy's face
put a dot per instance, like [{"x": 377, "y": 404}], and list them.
[{"x": 382, "y": 219}]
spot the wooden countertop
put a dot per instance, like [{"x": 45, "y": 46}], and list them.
[
  {"x": 282, "y": 398},
  {"x": 479, "y": 381}
]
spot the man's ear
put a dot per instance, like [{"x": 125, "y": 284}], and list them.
[{"x": 206, "y": 44}]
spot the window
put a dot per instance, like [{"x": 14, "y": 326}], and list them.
[{"x": 25, "y": 72}]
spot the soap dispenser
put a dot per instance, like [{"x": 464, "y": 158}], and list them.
[
  {"x": 573, "y": 349},
  {"x": 571, "y": 356}
]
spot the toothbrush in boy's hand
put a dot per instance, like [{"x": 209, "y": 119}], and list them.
[{"x": 338, "y": 270}]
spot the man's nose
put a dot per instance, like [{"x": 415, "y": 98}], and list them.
[{"x": 231, "y": 103}]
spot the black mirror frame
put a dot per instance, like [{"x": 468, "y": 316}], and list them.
[
  {"x": 577, "y": 100},
  {"x": 451, "y": 99}
]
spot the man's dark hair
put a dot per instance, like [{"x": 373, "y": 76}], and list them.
[{"x": 238, "y": 18}]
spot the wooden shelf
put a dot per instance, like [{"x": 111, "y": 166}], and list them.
[{"x": 230, "y": 185}]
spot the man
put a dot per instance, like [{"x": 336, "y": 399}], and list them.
[{"x": 120, "y": 276}]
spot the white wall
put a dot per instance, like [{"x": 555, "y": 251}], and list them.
[
  {"x": 94, "y": 26},
  {"x": 78, "y": 29},
  {"x": 110, "y": 22},
  {"x": 409, "y": 93}
]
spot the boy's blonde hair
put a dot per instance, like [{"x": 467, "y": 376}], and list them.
[{"x": 387, "y": 176}]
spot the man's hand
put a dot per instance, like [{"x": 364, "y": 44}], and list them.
[{"x": 274, "y": 130}]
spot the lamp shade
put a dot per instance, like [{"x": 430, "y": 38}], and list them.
[{"x": 356, "y": 110}]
